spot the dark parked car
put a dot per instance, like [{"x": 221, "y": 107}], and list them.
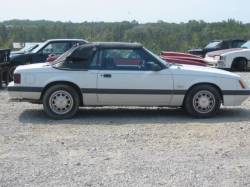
[
  {"x": 42, "y": 52},
  {"x": 217, "y": 45},
  {"x": 25, "y": 50},
  {"x": 4, "y": 59}
]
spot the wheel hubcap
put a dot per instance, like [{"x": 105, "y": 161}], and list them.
[
  {"x": 204, "y": 102},
  {"x": 61, "y": 102}
]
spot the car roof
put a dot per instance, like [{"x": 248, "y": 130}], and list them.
[
  {"x": 113, "y": 45},
  {"x": 61, "y": 40},
  {"x": 228, "y": 40}
]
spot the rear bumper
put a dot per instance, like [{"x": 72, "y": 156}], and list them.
[{"x": 17, "y": 93}]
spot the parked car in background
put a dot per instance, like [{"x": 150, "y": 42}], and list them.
[
  {"x": 124, "y": 74},
  {"x": 217, "y": 45},
  {"x": 182, "y": 58},
  {"x": 232, "y": 59},
  {"x": 27, "y": 49},
  {"x": 41, "y": 52}
]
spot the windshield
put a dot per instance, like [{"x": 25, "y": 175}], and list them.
[
  {"x": 246, "y": 45},
  {"x": 39, "y": 47},
  {"x": 63, "y": 57},
  {"x": 157, "y": 57},
  {"x": 213, "y": 44},
  {"x": 29, "y": 48}
]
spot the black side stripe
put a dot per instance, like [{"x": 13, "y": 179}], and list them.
[
  {"x": 25, "y": 89},
  {"x": 133, "y": 91},
  {"x": 236, "y": 92},
  {"x": 128, "y": 91}
]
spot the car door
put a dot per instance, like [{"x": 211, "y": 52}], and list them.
[{"x": 129, "y": 77}]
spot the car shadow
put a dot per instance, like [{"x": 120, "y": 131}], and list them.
[{"x": 138, "y": 116}]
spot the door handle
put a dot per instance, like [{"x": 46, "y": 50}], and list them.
[{"x": 107, "y": 75}]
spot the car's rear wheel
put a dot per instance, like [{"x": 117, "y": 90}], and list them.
[
  {"x": 61, "y": 102},
  {"x": 203, "y": 101}
]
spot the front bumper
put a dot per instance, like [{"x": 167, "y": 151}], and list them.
[
  {"x": 235, "y": 97},
  {"x": 211, "y": 62},
  {"x": 217, "y": 64}
]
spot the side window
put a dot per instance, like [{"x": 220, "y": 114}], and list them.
[
  {"x": 81, "y": 58},
  {"x": 237, "y": 44},
  {"x": 57, "y": 48},
  {"x": 126, "y": 59},
  {"x": 224, "y": 45},
  {"x": 120, "y": 59}
]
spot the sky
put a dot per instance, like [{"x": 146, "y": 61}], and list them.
[{"x": 126, "y": 10}]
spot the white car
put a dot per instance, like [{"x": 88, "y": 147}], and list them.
[
  {"x": 124, "y": 74},
  {"x": 231, "y": 59}
]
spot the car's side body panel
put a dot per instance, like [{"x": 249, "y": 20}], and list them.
[
  {"x": 135, "y": 87},
  {"x": 184, "y": 80},
  {"x": 164, "y": 88}
]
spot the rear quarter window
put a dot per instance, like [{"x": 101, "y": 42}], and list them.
[{"x": 78, "y": 59}]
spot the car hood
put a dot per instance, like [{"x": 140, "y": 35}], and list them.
[
  {"x": 20, "y": 58},
  {"x": 220, "y": 52},
  {"x": 202, "y": 71}
]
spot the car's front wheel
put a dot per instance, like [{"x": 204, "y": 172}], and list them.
[
  {"x": 203, "y": 101},
  {"x": 240, "y": 64},
  {"x": 61, "y": 102}
]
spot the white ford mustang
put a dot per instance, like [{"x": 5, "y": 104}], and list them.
[{"x": 124, "y": 74}]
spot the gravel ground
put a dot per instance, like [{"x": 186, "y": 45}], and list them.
[{"x": 123, "y": 147}]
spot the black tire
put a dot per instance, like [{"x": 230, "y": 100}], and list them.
[
  {"x": 240, "y": 64},
  {"x": 193, "y": 103},
  {"x": 70, "y": 96}
]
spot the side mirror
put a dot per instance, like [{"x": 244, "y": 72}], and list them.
[{"x": 154, "y": 67}]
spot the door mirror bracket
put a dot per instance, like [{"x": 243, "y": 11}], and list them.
[{"x": 154, "y": 67}]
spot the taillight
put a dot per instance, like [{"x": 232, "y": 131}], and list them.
[{"x": 17, "y": 78}]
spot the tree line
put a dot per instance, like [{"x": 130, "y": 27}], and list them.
[{"x": 155, "y": 36}]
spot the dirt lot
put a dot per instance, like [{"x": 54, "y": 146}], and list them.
[{"x": 123, "y": 147}]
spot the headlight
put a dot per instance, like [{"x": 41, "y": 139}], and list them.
[{"x": 217, "y": 58}]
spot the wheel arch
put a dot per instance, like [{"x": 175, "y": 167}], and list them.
[
  {"x": 236, "y": 59},
  {"x": 73, "y": 85},
  {"x": 204, "y": 83}
]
